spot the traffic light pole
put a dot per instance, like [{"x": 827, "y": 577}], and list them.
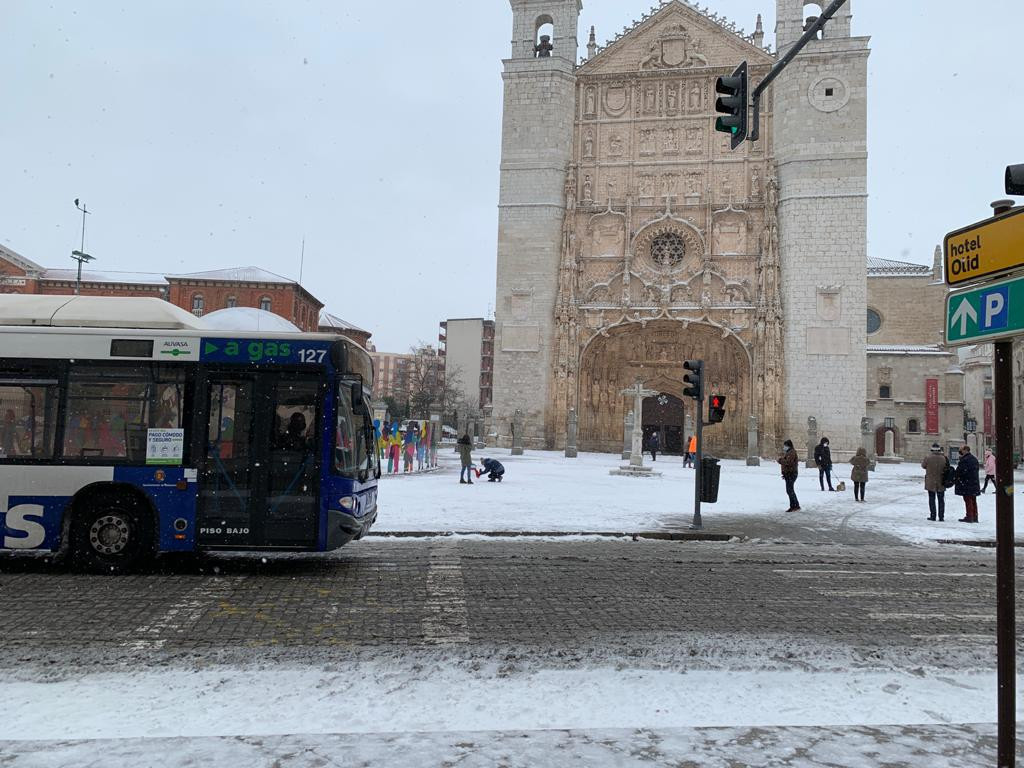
[
  {"x": 698, "y": 466},
  {"x": 810, "y": 34}
]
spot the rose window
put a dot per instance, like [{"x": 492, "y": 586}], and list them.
[{"x": 668, "y": 250}]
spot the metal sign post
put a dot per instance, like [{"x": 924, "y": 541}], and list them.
[
  {"x": 698, "y": 466},
  {"x": 993, "y": 310}
]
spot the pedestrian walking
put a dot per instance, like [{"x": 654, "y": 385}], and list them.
[
  {"x": 465, "y": 446},
  {"x": 691, "y": 451},
  {"x": 935, "y": 465},
  {"x": 859, "y": 474},
  {"x": 967, "y": 484},
  {"x": 823, "y": 460},
  {"x": 655, "y": 446},
  {"x": 990, "y": 469},
  {"x": 790, "y": 469}
]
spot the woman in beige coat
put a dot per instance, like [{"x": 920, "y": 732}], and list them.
[{"x": 859, "y": 475}]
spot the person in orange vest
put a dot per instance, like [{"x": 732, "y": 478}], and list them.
[{"x": 691, "y": 451}]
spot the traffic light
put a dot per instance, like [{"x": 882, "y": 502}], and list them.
[
  {"x": 694, "y": 380},
  {"x": 1015, "y": 179},
  {"x": 716, "y": 409},
  {"x": 733, "y": 105}
]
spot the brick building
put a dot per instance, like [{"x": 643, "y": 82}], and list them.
[{"x": 197, "y": 292}]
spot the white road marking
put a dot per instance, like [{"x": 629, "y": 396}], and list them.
[
  {"x": 804, "y": 572},
  {"x": 941, "y": 616},
  {"x": 183, "y": 613},
  {"x": 446, "y": 621}
]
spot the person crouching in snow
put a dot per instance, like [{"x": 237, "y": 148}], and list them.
[
  {"x": 466, "y": 454},
  {"x": 859, "y": 474},
  {"x": 493, "y": 469},
  {"x": 790, "y": 469}
]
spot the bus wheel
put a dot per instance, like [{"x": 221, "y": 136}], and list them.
[{"x": 111, "y": 533}]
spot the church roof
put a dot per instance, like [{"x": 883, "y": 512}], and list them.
[
  {"x": 891, "y": 268},
  {"x": 647, "y": 18}
]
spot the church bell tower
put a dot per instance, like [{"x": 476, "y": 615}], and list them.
[
  {"x": 820, "y": 146},
  {"x": 536, "y": 148}
]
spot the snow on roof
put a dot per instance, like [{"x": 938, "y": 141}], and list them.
[
  {"x": 16, "y": 258},
  {"x": 94, "y": 312},
  {"x": 90, "y": 276},
  {"x": 236, "y": 275},
  {"x": 248, "y": 319},
  {"x": 890, "y": 268},
  {"x": 327, "y": 320},
  {"x": 906, "y": 349}
]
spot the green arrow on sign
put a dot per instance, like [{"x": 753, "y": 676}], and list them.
[
  {"x": 209, "y": 349},
  {"x": 985, "y": 313}
]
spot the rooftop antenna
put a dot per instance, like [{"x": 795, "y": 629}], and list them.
[{"x": 302, "y": 258}]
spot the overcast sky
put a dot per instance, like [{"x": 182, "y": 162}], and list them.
[{"x": 206, "y": 134}]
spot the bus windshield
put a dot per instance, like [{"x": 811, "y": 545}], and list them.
[{"x": 352, "y": 457}]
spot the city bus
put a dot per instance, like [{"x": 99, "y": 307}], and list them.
[{"x": 128, "y": 429}]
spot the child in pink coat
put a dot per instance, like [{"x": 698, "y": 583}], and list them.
[{"x": 990, "y": 469}]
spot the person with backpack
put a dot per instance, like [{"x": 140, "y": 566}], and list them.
[
  {"x": 937, "y": 471},
  {"x": 968, "y": 486},
  {"x": 823, "y": 460},
  {"x": 465, "y": 446}
]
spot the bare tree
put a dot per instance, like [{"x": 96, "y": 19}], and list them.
[{"x": 422, "y": 383}]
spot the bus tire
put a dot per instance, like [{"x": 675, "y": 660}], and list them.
[{"x": 111, "y": 532}]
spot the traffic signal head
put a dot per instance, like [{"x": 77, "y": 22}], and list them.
[
  {"x": 1015, "y": 179},
  {"x": 694, "y": 379},
  {"x": 716, "y": 409},
  {"x": 732, "y": 105}
]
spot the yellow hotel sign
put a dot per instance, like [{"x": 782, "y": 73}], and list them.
[{"x": 989, "y": 247}]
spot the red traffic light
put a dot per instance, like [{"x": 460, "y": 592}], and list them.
[{"x": 716, "y": 409}]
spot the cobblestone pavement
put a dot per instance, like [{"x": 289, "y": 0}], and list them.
[{"x": 527, "y": 593}]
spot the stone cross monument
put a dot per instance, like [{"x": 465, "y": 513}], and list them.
[
  {"x": 636, "y": 454},
  {"x": 570, "y": 435},
  {"x": 627, "y": 435}
]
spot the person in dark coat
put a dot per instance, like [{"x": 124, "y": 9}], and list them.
[
  {"x": 968, "y": 486},
  {"x": 493, "y": 468},
  {"x": 934, "y": 466},
  {"x": 859, "y": 473},
  {"x": 790, "y": 463},
  {"x": 823, "y": 460},
  {"x": 655, "y": 446},
  {"x": 465, "y": 446}
]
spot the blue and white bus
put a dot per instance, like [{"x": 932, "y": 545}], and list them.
[{"x": 127, "y": 428}]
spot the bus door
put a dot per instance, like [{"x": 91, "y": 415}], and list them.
[{"x": 259, "y": 483}]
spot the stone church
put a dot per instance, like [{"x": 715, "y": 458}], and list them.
[{"x": 631, "y": 237}]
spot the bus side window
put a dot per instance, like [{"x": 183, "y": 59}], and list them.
[{"x": 28, "y": 419}]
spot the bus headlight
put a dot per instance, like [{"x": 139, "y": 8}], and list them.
[{"x": 347, "y": 502}]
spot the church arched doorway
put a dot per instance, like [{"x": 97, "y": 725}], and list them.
[
  {"x": 665, "y": 416},
  {"x": 654, "y": 355}
]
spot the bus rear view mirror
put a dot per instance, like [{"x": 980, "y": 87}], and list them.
[
  {"x": 358, "y": 404},
  {"x": 339, "y": 356}
]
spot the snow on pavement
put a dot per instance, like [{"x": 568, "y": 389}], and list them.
[{"x": 544, "y": 491}]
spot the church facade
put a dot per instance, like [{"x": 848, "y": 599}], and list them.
[{"x": 631, "y": 237}]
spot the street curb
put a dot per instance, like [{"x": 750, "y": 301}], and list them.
[
  {"x": 984, "y": 543},
  {"x": 653, "y": 535}
]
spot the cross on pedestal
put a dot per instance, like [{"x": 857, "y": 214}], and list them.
[{"x": 636, "y": 458}]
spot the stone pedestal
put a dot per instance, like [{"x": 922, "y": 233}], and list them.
[
  {"x": 629, "y": 470},
  {"x": 890, "y": 456},
  {"x": 517, "y": 433},
  {"x": 570, "y": 435},
  {"x": 753, "y": 457},
  {"x": 867, "y": 434},
  {"x": 627, "y": 436},
  {"x": 812, "y": 440}
]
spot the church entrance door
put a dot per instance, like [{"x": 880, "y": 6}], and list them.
[{"x": 666, "y": 415}]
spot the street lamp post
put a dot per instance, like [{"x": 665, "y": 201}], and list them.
[{"x": 80, "y": 255}]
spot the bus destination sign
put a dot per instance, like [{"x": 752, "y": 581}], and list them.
[{"x": 271, "y": 351}]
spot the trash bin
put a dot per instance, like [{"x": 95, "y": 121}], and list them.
[{"x": 710, "y": 472}]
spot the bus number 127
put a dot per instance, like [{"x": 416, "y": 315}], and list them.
[{"x": 312, "y": 355}]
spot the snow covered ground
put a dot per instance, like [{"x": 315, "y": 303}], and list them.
[
  {"x": 544, "y": 491},
  {"x": 393, "y": 712}
]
